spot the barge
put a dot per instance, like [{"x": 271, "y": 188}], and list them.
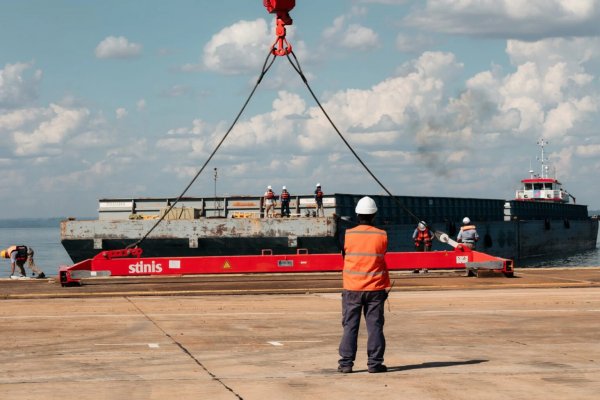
[{"x": 539, "y": 221}]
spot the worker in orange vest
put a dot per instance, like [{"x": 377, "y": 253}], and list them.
[
  {"x": 270, "y": 202},
  {"x": 422, "y": 237},
  {"x": 468, "y": 235},
  {"x": 285, "y": 202},
  {"x": 366, "y": 283}
]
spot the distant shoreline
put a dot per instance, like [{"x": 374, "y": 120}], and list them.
[{"x": 53, "y": 222}]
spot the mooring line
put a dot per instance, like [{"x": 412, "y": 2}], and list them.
[{"x": 186, "y": 351}]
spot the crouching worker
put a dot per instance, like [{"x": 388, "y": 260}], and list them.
[
  {"x": 18, "y": 256},
  {"x": 422, "y": 237},
  {"x": 366, "y": 281}
]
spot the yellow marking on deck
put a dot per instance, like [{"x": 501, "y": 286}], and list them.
[{"x": 226, "y": 265}]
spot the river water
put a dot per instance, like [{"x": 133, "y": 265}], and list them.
[{"x": 49, "y": 253}]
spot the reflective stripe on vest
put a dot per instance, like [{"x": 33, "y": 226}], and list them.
[{"x": 364, "y": 262}]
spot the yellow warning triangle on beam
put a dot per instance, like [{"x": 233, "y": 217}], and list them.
[{"x": 226, "y": 265}]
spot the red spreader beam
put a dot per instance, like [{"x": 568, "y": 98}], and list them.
[{"x": 129, "y": 262}]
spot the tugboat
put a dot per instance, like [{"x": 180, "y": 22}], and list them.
[{"x": 541, "y": 187}]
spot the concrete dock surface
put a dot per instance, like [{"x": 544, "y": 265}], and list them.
[{"x": 448, "y": 337}]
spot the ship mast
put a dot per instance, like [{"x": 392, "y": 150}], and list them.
[{"x": 542, "y": 142}]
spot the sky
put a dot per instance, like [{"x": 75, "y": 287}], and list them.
[{"x": 128, "y": 98}]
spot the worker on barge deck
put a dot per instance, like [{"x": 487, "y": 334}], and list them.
[
  {"x": 468, "y": 235},
  {"x": 366, "y": 281},
  {"x": 18, "y": 256},
  {"x": 285, "y": 202},
  {"x": 270, "y": 202},
  {"x": 319, "y": 201}
]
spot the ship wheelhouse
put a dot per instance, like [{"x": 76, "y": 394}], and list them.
[{"x": 542, "y": 189}]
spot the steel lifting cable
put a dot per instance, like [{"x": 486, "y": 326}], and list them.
[
  {"x": 266, "y": 66},
  {"x": 296, "y": 65}
]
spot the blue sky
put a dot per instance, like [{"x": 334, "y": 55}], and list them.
[{"x": 439, "y": 97}]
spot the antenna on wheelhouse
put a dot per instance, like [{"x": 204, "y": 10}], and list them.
[{"x": 530, "y": 170}]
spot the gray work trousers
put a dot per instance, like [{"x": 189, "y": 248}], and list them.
[{"x": 371, "y": 303}]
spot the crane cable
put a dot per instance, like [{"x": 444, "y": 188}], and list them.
[
  {"x": 269, "y": 60},
  {"x": 296, "y": 65}
]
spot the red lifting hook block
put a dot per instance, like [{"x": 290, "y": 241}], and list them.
[
  {"x": 281, "y": 47},
  {"x": 282, "y": 8}
]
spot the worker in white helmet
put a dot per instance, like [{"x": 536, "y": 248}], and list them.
[
  {"x": 468, "y": 234},
  {"x": 319, "y": 200},
  {"x": 285, "y": 202},
  {"x": 270, "y": 202},
  {"x": 422, "y": 237},
  {"x": 366, "y": 283}
]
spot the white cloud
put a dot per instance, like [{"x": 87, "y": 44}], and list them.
[
  {"x": 415, "y": 43},
  {"x": 351, "y": 35},
  {"x": 120, "y": 113},
  {"x": 523, "y": 19},
  {"x": 49, "y": 133},
  {"x": 141, "y": 105},
  {"x": 238, "y": 48},
  {"x": 18, "y": 87},
  {"x": 117, "y": 47},
  {"x": 358, "y": 37},
  {"x": 177, "y": 91}
]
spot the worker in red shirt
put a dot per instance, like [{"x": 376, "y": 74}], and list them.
[{"x": 366, "y": 282}]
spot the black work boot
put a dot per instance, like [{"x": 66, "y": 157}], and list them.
[
  {"x": 375, "y": 369},
  {"x": 345, "y": 369}
]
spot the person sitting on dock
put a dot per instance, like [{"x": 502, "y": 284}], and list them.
[
  {"x": 366, "y": 283},
  {"x": 319, "y": 200},
  {"x": 270, "y": 198},
  {"x": 285, "y": 202},
  {"x": 468, "y": 234},
  {"x": 18, "y": 256},
  {"x": 422, "y": 237}
]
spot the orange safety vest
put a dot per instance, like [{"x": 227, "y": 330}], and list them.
[
  {"x": 270, "y": 195},
  {"x": 285, "y": 196},
  {"x": 364, "y": 261},
  {"x": 423, "y": 236},
  {"x": 318, "y": 194}
]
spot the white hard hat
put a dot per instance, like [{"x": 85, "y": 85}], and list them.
[
  {"x": 366, "y": 205},
  {"x": 422, "y": 225},
  {"x": 284, "y": 188},
  {"x": 318, "y": 184},
  {"x": 466, "y": 220},
  {"x": 269, "y": 187}
]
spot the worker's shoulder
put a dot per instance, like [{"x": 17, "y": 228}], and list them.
[{"x": 366, "y": 229}]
